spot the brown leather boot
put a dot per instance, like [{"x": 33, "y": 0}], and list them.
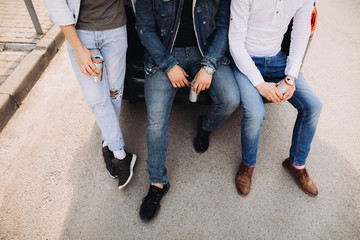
[
  {"x": 302, "y": 178},
  {"x": 243, "y": 179}
]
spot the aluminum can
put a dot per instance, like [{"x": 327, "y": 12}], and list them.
[
  {"x": 285, "y": 85},
  {"x": 98, "y": 61},
  {"x": 192, "y": 96}
]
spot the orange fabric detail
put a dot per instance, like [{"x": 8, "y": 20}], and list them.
[{"x": 313, "y": 20}]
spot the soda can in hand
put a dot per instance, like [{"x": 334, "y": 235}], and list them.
[
  {"x": 192, "y": 96},
  {"x": 285, "y": 85},
  {"x": 98, "y": 61}
]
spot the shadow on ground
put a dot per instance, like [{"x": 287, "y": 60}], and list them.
[{"x": 202, "y": 202}]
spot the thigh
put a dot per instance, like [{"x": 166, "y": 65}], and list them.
[
  {"x": 250, "y": 98},
  {"x": 159, "y": 96},
  {"x": 113, "y": 50},
  {"x": 304, "y": 97},
  {"x": 223, "y": 86}
]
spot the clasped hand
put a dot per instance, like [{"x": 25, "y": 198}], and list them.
[
  {"x": 177, "y": 77},
  {"x": 269, "y": 91}
]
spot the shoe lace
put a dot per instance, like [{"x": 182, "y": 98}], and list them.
[{"x": 154, "y": 195}]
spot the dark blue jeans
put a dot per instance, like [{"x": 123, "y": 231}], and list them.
[
  {"x": 159, "y": 96},
  {"x": 304, "y": 100}
]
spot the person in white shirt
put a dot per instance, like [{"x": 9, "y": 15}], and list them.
[{"x": 257, "y": 28}]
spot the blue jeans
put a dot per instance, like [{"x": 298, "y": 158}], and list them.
[
  {"x": 304, "y": 100},
  {"x": 112, "y": 45},
  {"x": 159, "y": 96}
]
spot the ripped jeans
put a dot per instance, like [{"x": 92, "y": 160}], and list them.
[{"x": 104, "y": 98}]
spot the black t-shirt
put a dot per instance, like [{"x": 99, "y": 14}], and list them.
[
  {"x": 100, "y": 15},
  {"x": 186, "y": 35}
]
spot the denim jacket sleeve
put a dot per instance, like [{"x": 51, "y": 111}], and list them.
[
  {"x": 145, "y": 26},
  {"x": 219, "y": 43}
]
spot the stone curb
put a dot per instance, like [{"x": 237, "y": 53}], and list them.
[{"x": 14, "y": 90}]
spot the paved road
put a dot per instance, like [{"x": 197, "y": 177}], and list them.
[{"x": 53, "y": 183}]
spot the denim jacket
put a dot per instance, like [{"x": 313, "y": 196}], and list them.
[{"x": 157, "y": 23}]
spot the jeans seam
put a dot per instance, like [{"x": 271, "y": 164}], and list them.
[{"x": 298, "y": 137}]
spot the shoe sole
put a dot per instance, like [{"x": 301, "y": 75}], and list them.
[
  {"x": 288, "y": 171},
  {"x": 133, "y": 160},
  {"x": 240, "y": 193},
  {"x": 156, "y": 213}
]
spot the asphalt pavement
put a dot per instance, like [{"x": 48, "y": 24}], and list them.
[{"x": 54, "y": 185}]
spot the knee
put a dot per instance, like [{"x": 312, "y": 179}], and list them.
[
  {"x": 232, "y": 102},
  {"x": 254, "y": 115},
  {"x": 314, "y": 108},
  {"x": 115, "y": 95},
  {"x": 156, "y": 122}
]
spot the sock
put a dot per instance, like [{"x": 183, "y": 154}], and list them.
[
  {"x": 105, "y": 143},
  {"x": 120, "y": 154},
  {"x": 298, "y": 167}
]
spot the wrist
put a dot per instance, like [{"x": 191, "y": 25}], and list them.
[{"x": 208, "y": 69}]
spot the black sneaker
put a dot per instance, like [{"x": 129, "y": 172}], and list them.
[
  {"x": 151, "y": 203},
  {"x": 201, "y": 141},
  {"x": 108, "y": 156},
  {"x": 124, "y": 168}
]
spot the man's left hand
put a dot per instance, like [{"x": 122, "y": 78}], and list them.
[
  {"x": 290, "y": 92},
  {"x": 202, "y": 81}
]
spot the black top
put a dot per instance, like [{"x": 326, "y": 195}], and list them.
[
  {"x": 186, "y": 35},
  {"x": 101, "y": 15}
]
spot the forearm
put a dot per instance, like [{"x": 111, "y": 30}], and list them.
[
  {"x": 219, "y": 43},
  {"x": 83, "y": 55},
  {"x": 72, "y": 37},
  {"x": 299, "y": 39}
]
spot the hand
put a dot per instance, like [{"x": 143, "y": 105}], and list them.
[
  {"x": 289, "y": 92},
  {"x": 177, "y": 77},
  {"x": 202, "y": 81},
  {"x": 83, "y": 58},
  {"x": 269, "y": 91}
]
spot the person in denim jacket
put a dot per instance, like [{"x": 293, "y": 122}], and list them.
[
  {"x": 99, "y": 28},
  {"x": 184, "y": 40}
]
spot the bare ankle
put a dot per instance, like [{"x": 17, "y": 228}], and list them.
[{"x": 161, "y": 186}]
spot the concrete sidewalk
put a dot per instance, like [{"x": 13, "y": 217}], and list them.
[{"x": 23, "y": 54}]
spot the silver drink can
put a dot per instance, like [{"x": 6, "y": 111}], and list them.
[
  {"x": 98, "y": 61},
  {"x": 192, "y": 96},
  {"x": 285, "y": 85}
]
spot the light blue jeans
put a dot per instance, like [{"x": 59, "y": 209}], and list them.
[
  {"x": 304, "y": 100},
  {"x": 160, "y": 94},
  {"x": 112, "y": 46}
]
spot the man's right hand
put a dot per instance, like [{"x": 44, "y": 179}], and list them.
[
  {"x": 269, "y": 91},
  {"x": 83, "y": 55},
  {"x": 83, "y": 58},
  {"x": 177, "y": 77}
]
